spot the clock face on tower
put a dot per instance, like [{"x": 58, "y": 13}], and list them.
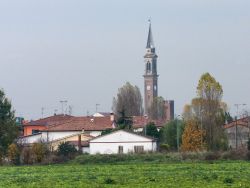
[{"x": 148, "y": 87}]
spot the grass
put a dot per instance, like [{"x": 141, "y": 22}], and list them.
[{"x": 175, "y": 174}]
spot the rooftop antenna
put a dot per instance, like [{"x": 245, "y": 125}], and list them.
[
  {"x": 70, "y": 109},
  {"x": 42, "y": 110},
  {"x": 96, "y": 107},
  {"x": 62, "y": 103}
]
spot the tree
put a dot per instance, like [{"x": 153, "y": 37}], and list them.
[
  {"x": 209, "y": 111},
  {"x": 128, "y": 102},
  {"x": 39, "y": 151},
  {"x": 168, "y": 134},
  {"x": 13, "y": 154},
  {"x": 8, "y": 128},
  {"x": 66, "y": 149},
  {"x": 157, "y": 110},
  {"x": 192, "y": 138},
  {"x": 151, "y": 130}
]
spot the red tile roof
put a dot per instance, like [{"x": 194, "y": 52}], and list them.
[
  {"x": 84, "y": 123},
  {"x": 141, "y": 121},
  {"x": 241, "y": 122},
  {"x": 52, "y": 120}
]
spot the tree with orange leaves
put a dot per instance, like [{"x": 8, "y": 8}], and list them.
[{"x": 193, "y": 137}]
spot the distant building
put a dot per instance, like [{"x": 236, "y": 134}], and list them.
[
  {"x": 120, "y": 142},
  {"x": 50, "y": 129},
  {"x": 151, "y": 79},
  {"x": 36, "y": 126},
  {"x": 238, "y": 133}
]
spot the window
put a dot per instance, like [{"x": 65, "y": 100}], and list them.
[
  {"x": 35, "y": 131},
  {"x": 120, "y": 149},
  {"x": 148, "y": 66},
  {"x": 139, "y": 149}
]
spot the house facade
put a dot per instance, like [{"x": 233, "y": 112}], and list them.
[
  {"x": 120, "y": 142},
  {"x": 92, "y": 126},
  {"x": 238, "y": 133}
]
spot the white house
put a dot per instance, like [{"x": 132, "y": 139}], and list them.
[
  {"x": 122, "y": 141},
  {"x": 92, "y": 126}
]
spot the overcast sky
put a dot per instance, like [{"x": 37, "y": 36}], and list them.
[{"x": 83, "y": 51}]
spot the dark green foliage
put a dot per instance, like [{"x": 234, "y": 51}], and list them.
[
  {"x": 66, "y": 149},
  {"x": 8, "y": 128},
  {"x": 107, "y": 131},
  {"x": 228, "y": 117},
  {"x": 164, "y": 148},
  {"x": 228, "y": 180},
  {"x": 128, "y": 102},
  {"x": 125, "y": 158},
  {"x": 109, "y": 181},
  {"x": 168, "y": 134},
  {"x": 151, "y": 130},
  {"x": 124, "y": 122}
]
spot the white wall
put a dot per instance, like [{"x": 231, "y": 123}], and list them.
[
  {"x": 57, "y": 135},
  {"x": 31, "y": 139},
  {"x": 53, "y": 136},
  {"x": 112, "y": 148},
  {"x": 109, "y": 143}
]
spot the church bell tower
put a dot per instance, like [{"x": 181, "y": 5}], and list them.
[{"x": 150, "y": 75}]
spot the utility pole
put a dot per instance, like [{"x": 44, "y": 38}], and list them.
[{"x": 236, "y": 124}]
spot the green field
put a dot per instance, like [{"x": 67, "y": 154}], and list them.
[{"x": 186, "y": 174}]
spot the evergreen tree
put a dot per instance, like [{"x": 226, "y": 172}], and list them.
[{"x": 8, "y": 128}]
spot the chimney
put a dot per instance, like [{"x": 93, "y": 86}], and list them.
[{"x": 112, "y": 117}]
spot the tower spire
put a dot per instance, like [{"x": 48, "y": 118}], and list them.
[{"x": 150, "y": 42}]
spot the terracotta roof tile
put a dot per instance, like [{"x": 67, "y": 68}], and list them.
[
  {"x": 241, "y": 122},
  {"x": 84, "y": 123},
  {"x": 141, "y": 121},
  {"x": 52, "y": 120}
]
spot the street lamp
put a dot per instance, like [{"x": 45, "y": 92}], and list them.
[{"x": 177, "y": 132}]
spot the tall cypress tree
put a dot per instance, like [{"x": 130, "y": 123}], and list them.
[{"x": 8, "y": 128}]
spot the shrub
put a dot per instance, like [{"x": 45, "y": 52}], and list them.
[
  {"x": 228, "y": 180},
  {"x": 26, "y": 156},
  {"x": 235, "y": 155},
  {"x": 67, "y": 150},
  {"x": 39, "y": 151},
  {"x": 211, "y": 156},
  {"x": 1, "y": 158},
  {"x": 164, "y": 148},
  {"x": 13, "y": 154},
  {"x": 109, "y": 181}
]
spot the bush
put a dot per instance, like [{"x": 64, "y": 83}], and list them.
[
  {"x": 13, "y": 154},
  {"x": 109, "y": 181},
  {"x": 126, "y": 158},
  {"x": 39, "y": 151},
  {"x": 164, "y": 148},
  {"x": 211, "y": 156},
  {"x": 1, "y": 158},
  {"x": 235, "y": 155},
  {"x": 67, "y": 150},
  {"x": 26, "y": 156}
]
